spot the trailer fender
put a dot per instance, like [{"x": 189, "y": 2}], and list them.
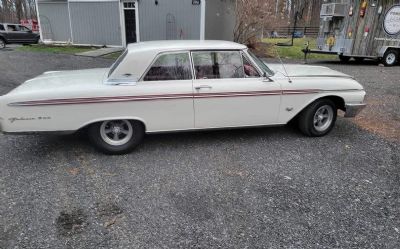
[{"x": 382, "y": 50}]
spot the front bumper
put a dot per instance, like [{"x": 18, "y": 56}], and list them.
[{"x": 353, "y": 110}]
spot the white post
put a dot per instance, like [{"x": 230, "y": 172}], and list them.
[
  {"x": 38, "y": 19},
  {"x": 203, "y": 20},
  {"x": 70, "y": 23}
]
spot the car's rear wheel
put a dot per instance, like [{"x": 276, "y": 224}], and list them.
[
  {"x": 318, "y": 119},
  {"x": 116, "y": 137},
  {"x": 390, "y": 58},
  {"x": 2, "y": 43}
]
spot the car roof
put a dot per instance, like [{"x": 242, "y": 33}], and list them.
[{"x": 163, "y": 46}]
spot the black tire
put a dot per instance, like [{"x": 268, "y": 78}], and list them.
[
  {"x": 344, "y": 59},
  {"x": 96, "y": 137},
  {"x": 307, "y": 118},
  {"x": 359, "y": 59},
  {"x": 2, "y": 43},
  {"x": 390, "y": 58}
]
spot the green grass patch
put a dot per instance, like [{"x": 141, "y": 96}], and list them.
[
  {"x": 113, "y": 56},
  {"x": 55, "y": 49},
  {"x": 294, "y": 52}
]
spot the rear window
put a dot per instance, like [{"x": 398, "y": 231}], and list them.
[
  {"x": 2, "y": 27},
  {"x": 117, "y": 62}
]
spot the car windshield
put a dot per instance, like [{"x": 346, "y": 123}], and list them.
[
  {"x": 117, "y": 62},
  {"x": 261, "y": 64}
]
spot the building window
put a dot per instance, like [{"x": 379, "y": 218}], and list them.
[{"x": 129, "y": 5}]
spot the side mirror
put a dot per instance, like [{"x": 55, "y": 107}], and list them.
[{"x": 266, "y": 78}]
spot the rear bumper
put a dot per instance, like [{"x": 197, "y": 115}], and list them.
[{"x": 353, "y": 110}]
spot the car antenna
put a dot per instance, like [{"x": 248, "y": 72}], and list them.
[{"x": 283, "y": 65}]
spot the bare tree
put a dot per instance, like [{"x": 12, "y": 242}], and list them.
[
  {"x": 250, "y": 18},
  {"x": 15, "y": 10}
]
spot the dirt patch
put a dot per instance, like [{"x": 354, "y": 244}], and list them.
[
  {"x": 70, "y": 223},
  {"x": 108, "y": 209},
  {"x": 109, "y": 212},
  {"x": 379, "y": 117}
]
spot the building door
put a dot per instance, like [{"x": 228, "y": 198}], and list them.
[{"x": 130, "y": 22}]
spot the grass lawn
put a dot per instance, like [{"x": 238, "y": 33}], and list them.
[
  {"x": 295, "y": 52},
  {"x": 55, "y": 49},
  {"x": 113, "y": 56}
]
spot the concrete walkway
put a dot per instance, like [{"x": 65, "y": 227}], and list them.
[{"x": 100, "y": 52}]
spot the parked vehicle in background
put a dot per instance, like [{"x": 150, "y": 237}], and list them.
[
  {"x": 298, "y": 34},
  {"x": 16, "y": 33}
]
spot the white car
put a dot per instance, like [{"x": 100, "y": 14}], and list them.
[{"x": 167, "y": 86}]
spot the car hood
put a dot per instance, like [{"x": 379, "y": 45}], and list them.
[
  {"x": 293, "y": 70},
  {"x": 62, "y": 81}
]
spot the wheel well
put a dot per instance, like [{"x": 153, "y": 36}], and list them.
[
  {"x": 100, "y": 121},
  {"x": 339, "y": 102},
  {"x": 393, "y": 48}
]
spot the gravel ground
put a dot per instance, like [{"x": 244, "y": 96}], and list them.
[{"x": 250, "y": 188}]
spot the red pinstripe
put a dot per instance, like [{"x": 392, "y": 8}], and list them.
[{"x": 92, "y": 100}]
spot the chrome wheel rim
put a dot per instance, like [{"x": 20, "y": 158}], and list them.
[
  {"x": 116, "y": 132},
  {"x": 323, "y": 118},
  {"x": 2, "y": 44},
  {"x": 391, "y": 58}
]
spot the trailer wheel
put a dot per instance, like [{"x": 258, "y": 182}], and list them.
[
  {"x": 390, "y": 58},
  {"x": 359, "y": 59},
  {"x": 344, "y": 59}
]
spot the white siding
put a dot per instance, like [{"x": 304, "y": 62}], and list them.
[{"x": 96, "y": 23}]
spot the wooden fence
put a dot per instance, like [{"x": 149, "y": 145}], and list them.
[{"x": 287, "y": 31}]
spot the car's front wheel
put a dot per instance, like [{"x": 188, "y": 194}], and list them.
[
  {"x": 116, "y": 137},
  {"x": 318, "y": 119}
]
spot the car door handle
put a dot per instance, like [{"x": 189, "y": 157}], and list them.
[{"x": 202, "y": 87}]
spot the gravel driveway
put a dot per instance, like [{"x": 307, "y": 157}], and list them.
[{"x": 250, "y": 188}]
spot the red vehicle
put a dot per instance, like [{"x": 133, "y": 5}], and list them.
[{"x": 32, "y": 24}]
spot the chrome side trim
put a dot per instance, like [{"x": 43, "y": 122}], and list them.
[
  {"x": 323, "y": 76},
  {"x": 353, "y": 110}
]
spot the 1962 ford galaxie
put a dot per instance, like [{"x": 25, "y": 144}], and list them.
[{"x": 179, "y": 85}]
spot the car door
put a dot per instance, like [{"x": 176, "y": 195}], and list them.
[
  {"x": 12, "y": 34},
  {"x": 25, "y": 34},
  {"x": 167, "y": 88},
  {"x": 229, "y": 91}
]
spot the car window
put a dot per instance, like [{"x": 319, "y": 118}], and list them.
[
  {"x": 117, "y": 62},
  {"x": 218, "y": 64},
  {"x": 261, "y": 64},
  {"x": 12, "y": 28},
  {"x": 2, "y": 27},
  {"x": 23, "y": 28},
  {"x": 174, "y": 66},
  {"x": 249, "y": 70}
]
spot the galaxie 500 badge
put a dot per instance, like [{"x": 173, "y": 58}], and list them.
[{"x": 12, "y": 120}]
